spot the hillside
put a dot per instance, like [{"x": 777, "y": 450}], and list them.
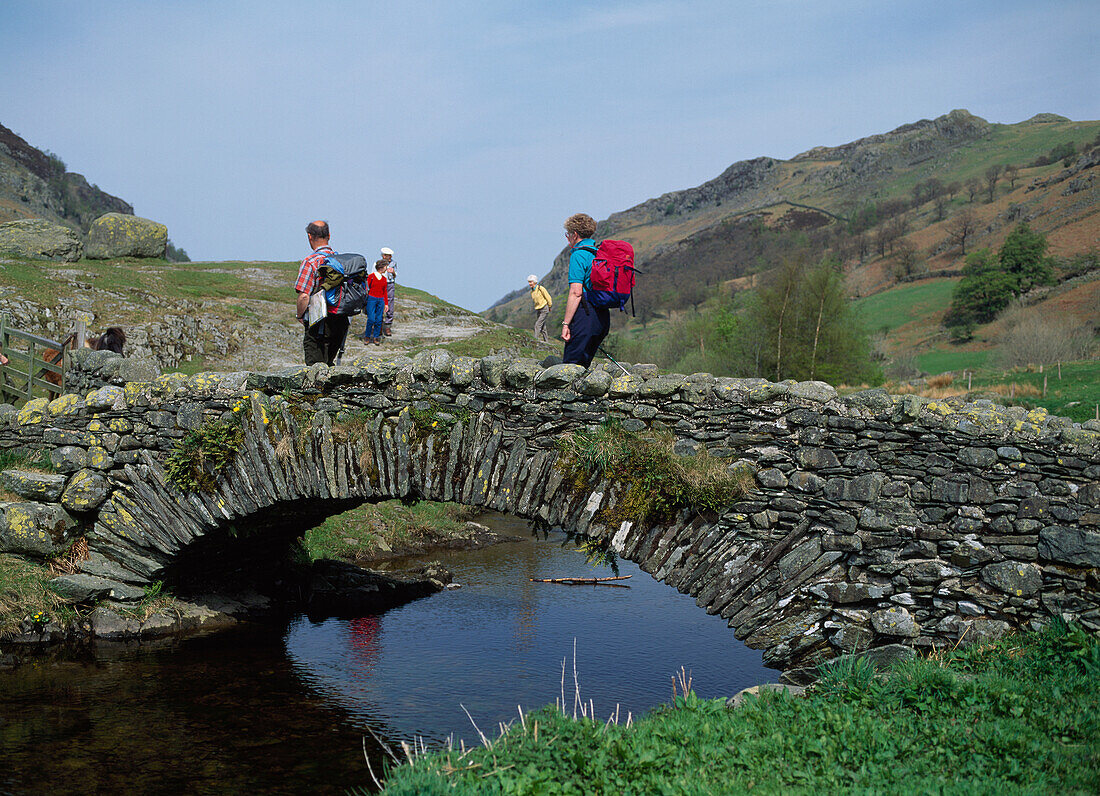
[
  {"x": 883, "y": 206},
  {"x": 35, "y": 184}
]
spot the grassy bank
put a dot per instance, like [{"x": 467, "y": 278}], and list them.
[
  {"x": 385, "y": 528},
  {"x": 1021, "y": 715}
]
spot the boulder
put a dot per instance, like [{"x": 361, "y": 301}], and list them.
[
  {"x": 37, "y": 239},
  {"x": 34, "y": 529},
  {"x": 117, "y": 235}
]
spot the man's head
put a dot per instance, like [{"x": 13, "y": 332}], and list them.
[
  {"x": 380, "y": 265},
  {"x": 580, "y": 226},
  {"x": 532, "y": 280},
  {"x": 387, "y": 254},
  {"x": 318, "y": 233}
]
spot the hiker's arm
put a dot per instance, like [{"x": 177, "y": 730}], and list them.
[
  {"x": 302, "y": 305},
  {"x": 572, "y": 301}
]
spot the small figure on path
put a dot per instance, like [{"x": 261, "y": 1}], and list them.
[
  {"x": 391, "y": 284},
  {"x": 543, "y": 303},
  {"x": 376, "y": 303},
  {"x": 324, "y": 339},
  {"x": 584, "y": 326}
]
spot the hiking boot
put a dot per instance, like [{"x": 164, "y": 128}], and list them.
[
  {"x": 378, "y": 341},
  {"x": 387, "y": 332}
]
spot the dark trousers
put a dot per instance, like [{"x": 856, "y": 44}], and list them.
[
  {"x": 586, "y": 331},
  {"x": 325, "y": 340}
]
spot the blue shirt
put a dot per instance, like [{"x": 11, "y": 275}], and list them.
[{"x": 580, "y": 263}]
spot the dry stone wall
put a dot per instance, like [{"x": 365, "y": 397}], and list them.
[{"x": 880, "y": 524}]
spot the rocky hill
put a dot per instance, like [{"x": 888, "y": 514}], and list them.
[
  {"x": 860, "y": 203},
  {"x": 34, "y": 184}
]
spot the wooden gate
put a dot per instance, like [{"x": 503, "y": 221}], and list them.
[{"x": 36, "y": 365}]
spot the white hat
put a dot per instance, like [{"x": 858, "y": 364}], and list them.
[
  {"x": 532, "y": 278},
  {"x": 387, "y": 251}
]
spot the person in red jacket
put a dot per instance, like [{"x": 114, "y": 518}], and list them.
[{"x": 377, "y": 289}]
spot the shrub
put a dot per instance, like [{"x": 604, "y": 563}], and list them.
[
  {"x": 1033, "y": 336},
  {"x": 202, "y": 454}
]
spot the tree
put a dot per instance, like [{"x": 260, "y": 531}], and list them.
[
  {"x": 992, "y": 174},
  {"x": 961, "y": 227},
  {"x": 1022, "y": 257},
  {"x": 1012, "y": 173},
  {"x": 983, "y": 291},
  {"x": 907, "y": 257},
  {"x": 973, "y": 186},
  {"x": 940, "y": 203},
  {"x": 807, "y": 326}
]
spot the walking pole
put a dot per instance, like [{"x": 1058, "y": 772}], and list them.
[{"x": 624, "y": 370}]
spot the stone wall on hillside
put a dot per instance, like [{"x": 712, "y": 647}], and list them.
[{"x": 877, "y": 522}]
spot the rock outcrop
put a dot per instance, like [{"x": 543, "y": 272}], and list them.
[
  {"x": 117, "y": 235},
  {"x": 38, "y": 239}
]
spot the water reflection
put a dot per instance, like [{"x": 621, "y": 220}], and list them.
[{"x": 499, "y": 642}]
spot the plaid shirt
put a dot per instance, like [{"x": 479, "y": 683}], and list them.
[{"x": 307, "y": 274}]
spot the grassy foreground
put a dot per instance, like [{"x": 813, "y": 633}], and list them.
[{"x": 1019, "y": 716}]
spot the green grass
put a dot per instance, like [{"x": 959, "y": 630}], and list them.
[
  {"x": 1021, "y": 716},
  {"x": 940, "y": 360},
  {"x": 359, "y": 532},
  {"x": 906, "y": 303},
  {"x": 1075, "y": 395}
]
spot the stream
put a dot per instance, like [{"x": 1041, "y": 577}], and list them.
[{"x": 285, "y": 706}]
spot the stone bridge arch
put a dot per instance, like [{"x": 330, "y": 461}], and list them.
[{"x": 877, "y": 521}]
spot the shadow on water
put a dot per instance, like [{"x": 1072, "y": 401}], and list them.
[{"x": 283, "y": 707}]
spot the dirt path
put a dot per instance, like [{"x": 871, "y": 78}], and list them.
[{"x": 416, "y": 324}]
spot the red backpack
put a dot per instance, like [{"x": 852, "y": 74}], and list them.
[{"x": 612, "y": 278}]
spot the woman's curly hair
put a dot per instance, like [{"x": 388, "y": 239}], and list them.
[{"x": 582, "y": 224}]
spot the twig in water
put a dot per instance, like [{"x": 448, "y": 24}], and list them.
[
  {"x": 584, "y": 581},
  {"x": 408, "y": 754},
  {"x": 484, "y": 740}
]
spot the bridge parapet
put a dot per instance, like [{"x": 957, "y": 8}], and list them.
[{"x": 877, "y": 521}]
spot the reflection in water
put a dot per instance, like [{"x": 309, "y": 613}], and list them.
[
  {"x": 499, "y": 642},
  {"x": 273, "y": 709}
]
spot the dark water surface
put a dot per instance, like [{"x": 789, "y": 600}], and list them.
[{"x": 283, "y": 708}]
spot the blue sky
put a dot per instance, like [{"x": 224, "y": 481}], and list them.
[{"x": 462, "y": 135}]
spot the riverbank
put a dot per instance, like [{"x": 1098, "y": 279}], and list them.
[{"x": 1020, "y": 715}]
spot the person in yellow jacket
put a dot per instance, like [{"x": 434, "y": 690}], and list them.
[{"x": 543, "y": 303}]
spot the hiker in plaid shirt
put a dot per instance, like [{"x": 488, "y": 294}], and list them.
[{"x": 324, "y": 340}]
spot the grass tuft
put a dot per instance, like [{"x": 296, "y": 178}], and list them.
[{"x": 657, "y": 484}]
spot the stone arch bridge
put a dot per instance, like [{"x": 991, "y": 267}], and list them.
[{"x": 877, "y": 521}]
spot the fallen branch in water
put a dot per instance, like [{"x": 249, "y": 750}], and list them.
[{"x": 584, "y": 581}]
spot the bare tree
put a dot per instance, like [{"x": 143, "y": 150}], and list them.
[
  {"x": 907, "y": 257},
  {"x": 992, "y": 174},
  {"x": 1012, "y": 173},
  {"x": 961, "y": 227},
  {"x": 973, "y": 186},
  {"x": 941, "y": 203}
]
